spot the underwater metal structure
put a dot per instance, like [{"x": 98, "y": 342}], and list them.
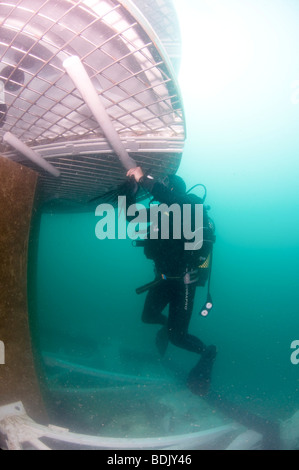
[
  {"x": 61, "y": 62},
  {"x": 129, "y": 51},
  {"x": 22, "y": 433}
]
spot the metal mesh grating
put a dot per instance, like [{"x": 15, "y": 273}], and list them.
[
  {"x": 162, "y": 16},
  {"x": 122, "y": 56}
]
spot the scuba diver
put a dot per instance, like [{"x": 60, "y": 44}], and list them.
[{"x": 178, "y": 273}]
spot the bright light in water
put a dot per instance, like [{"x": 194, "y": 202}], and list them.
[
  {"x": 239, "y": 80},
  {"x": 216, "y": 46}
]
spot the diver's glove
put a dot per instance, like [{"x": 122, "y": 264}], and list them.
[
  {"x": 145, "y": 180},
  {"x": 136, "y": 173}
]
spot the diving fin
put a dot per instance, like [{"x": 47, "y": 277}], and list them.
[{"x": 199, "y": 378}]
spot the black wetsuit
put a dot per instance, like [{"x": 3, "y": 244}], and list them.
[{"x": 173, "y": 261}]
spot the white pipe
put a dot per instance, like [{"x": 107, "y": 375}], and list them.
[
  {"x": 247, "y": 440},
  {"x": 78, "y": 74},
  {"x": 30, "y": 154}
]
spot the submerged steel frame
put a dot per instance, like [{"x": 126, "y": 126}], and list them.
[
  {"x": 19, "y": 432},
  {"x": 129, "y": 68}
]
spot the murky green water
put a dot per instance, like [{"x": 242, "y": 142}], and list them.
[{"x": 240, "y": 82}]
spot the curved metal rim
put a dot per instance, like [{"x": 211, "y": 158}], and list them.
[{"x": 137, "y": 14}]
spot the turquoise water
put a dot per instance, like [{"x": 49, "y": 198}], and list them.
[{"x": 240, "y": 86}]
